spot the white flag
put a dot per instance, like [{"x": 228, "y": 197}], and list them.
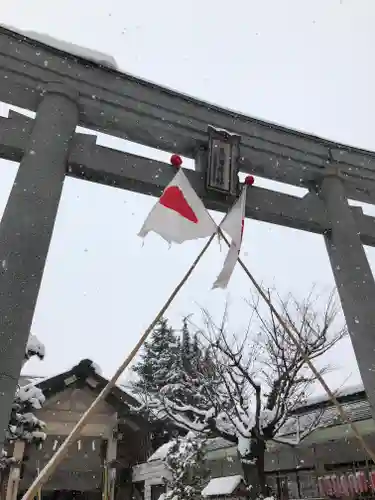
[
  {"x": 179, "y": 215},
  {"x": 233, "y": 225}
]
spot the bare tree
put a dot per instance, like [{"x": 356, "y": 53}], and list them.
[{"x": 259, "y": 378}]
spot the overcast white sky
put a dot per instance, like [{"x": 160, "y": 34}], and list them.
[{"x": 306, "y": 64}]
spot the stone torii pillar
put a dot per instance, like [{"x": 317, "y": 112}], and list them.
[
  {"x": 26, "y": 230},
  {"x": 354, "y": 279}
]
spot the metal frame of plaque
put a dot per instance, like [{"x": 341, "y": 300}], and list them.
[{"x": 223, "y": 155}]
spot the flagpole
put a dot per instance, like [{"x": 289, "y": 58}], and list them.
[
  {"x": 305, "y": 357},
  {"x": 60, "y": 453}
]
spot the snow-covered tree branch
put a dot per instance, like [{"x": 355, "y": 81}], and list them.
[{"x": 257, "y": 379}]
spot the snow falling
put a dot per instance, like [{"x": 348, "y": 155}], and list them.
[{"x": 204, "y": 391}]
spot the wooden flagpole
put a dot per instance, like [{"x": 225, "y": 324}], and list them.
[
  {"x": 60, "y": 453},
  {"x": 39, "y": 492},
  {"x": 307, "y": 360}
]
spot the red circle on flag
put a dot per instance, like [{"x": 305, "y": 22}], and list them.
[{"x": 174, "y": 199}]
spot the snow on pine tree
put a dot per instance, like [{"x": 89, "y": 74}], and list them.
[
  {"x": 186, "y": 347},
  {"x": 196, "y": 360},
  {"x": 188, "y": 388},
  {"x": 197, "y": 353},
  {"x": 185, "y": 461},
  {"x": 160, "y": 362},
  {"x": 23, "y": 424},
  {"x": 169, "y": 365}
]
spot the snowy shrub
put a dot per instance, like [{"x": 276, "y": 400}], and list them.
[
  {"x": 185, "y": 460},
  {"x": 23, "y": 424}
]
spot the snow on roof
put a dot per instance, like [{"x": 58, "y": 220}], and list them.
[
  {"x": 161, "y": 452},
  {"x": 35, "y": 380},
  {"x": 217, "y": 444},
  {"x": 128, "y": 389},
  {"x": 210, "y": 445},
  {"x": 31, "y": 379},
  {"x": 76, "y": 50},
  {"x": 221, "y": 486},
  {"x": 343, "y": 391},
  {"x": 223, "y": 131},
  {"x": 357, "y": 410},
  {"x": 163, "y": 496}
]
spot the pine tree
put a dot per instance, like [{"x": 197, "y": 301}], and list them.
[
  {"x": 207, "y": 364},
  {"x": 186, "y": 347},
  {"x": 196, "y": 353},
  {"x": 186, "y": 462},
  {"x": 160, "y": 362},
  {"x": 171, "y": 367},
  {"x": 197, "y": 367}
]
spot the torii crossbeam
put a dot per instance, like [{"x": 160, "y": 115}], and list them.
[{"x": 66, "y": 91}]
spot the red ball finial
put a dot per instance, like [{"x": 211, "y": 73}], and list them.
[
  {"x": 249, "y": 180},
  {"x": 176, "y": 161}
]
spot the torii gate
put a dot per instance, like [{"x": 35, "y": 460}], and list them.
[{"x": 67, "y": 91}]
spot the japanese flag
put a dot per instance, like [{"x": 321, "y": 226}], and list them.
[
  {"x": 179, "y": 215},
  {"x": 233, "y": 225}
]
